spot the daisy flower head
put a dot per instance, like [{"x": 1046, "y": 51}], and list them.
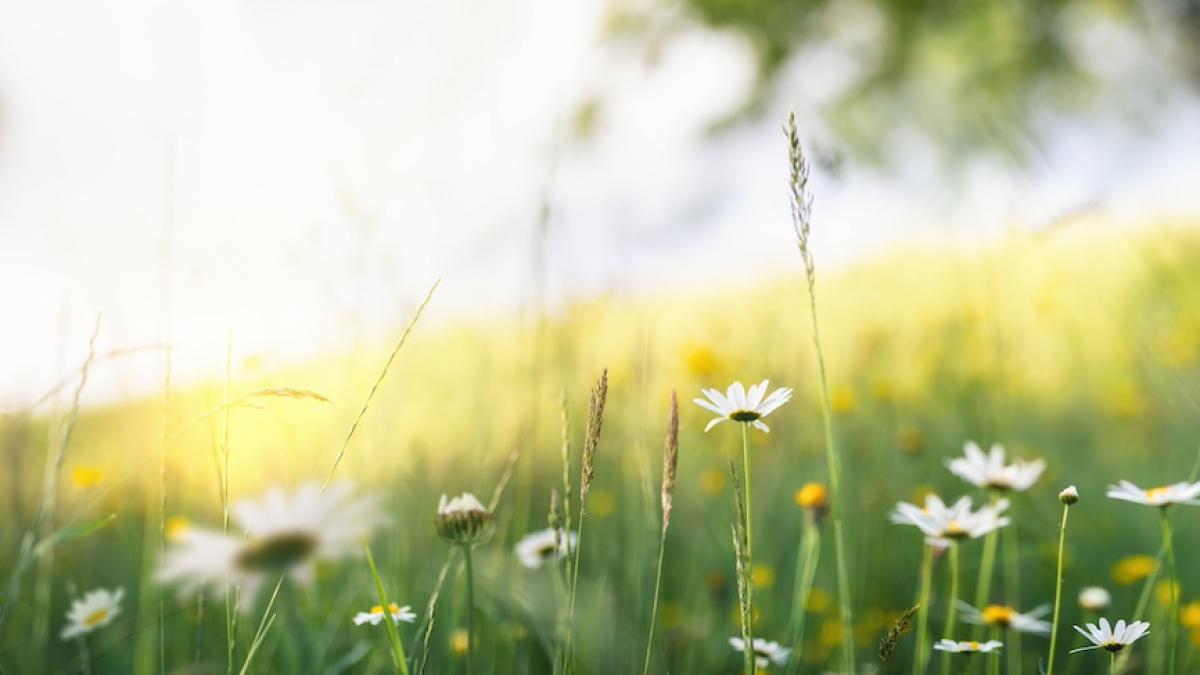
[
  {"x": 738, "y": 405},
  {"x": 1094, "y": 599},
  {"x": 464, "y": 520},
  {"x": 548, "y": 545},
  {"x": 944, "y": 524},
  {"x": 990, "y": 472},
  {"x": 1002, "y": 616},
  {"x": 968, "y": 646},
  {"x": 374, "y": 616},
  {"x": 95, "y": 609},
  {"x": 1112, "y": 638},
  {"x": 765, "y": 653},
  {"x": 1166, "y": 495},
  {"x": 284, "y": 533}
]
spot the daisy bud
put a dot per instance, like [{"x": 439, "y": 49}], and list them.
[
  {"x": 1069, "y": 495},
  {"x": 464, "y": 520},
  {"x": 814, "y": 499}
]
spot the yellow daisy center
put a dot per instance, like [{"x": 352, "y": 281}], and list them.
[
  {"x": 1157, "y": 492},
  {"x": 998, "y": 615},
  {"x": 392, "y": 608},
  {"x": 973, "y": 646},
  {"x": 93, "y": 619},
  {"x": 955, "y": 530}
]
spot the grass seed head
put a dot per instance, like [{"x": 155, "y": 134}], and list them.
[{"x": 670, "y": 461}]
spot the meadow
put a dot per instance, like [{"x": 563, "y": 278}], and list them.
[{"x": 1078, "y": 345}]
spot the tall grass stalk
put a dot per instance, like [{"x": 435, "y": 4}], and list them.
[
  {"x": 801, "y": 207},
  {"x": 470, "y": 609},
  {"x": 393, "y": 635},
  {"x": 1012, "y": 587},
  {"x": 264, "y": 627},
  {"x": 806, "y": 572},
  {"x": 1058, "y": 582},
  {"x": 229, "y": 591},
  {"x": 43, "y": 521},
  {"x": 378, "y": 381},
  {"x": 670, "y": 464},
  {"x": 951, "y": 601},
  {"x": 587, "y": 472},
  {"x": 745, "y": 584},
  {"x": 921, "y": 649}
]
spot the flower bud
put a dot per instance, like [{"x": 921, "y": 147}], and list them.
[
  {"x": 464, "y": 520},
  {"x": 1069, "y": 495}
]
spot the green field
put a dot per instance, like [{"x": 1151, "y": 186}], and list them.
[{"x": 1078, "y": 345}]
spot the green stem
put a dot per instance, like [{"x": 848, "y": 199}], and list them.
[
  {"x": 1062, "y": 538},
  {"x": 568, "y": 653},
  {"x": 746, "y": 478},
  {"x": 470, "y": 608},
  {"x": 835, "y": 484},
  {"x": 950, "y": 608},
  {"x": 1012, "y": 587},
  {"x": 983, "y": 586},
  {"x": 920, "y": 650},
  {"x": 1112, "y": 663},
  {"x": 662, "y": 545},
  {"x": 1173, "y": 620},
  {"x": 806, "y": 572}
]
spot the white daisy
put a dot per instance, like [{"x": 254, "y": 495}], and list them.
[
  {"x": 944, "y": 524},
  {"x": 284, "y": 534},
  {"x": 95, "y": 609},
  {"x": 1003, "y": 616},
  {"x": 1167, "y": 495},
  {"x": 738, "y": 405},
  {"x": 989, "y": 471},
  {"x": 968, "y": 647},
  {"x": 374, "y": 616},
  {"x": 1112, "y": 639},
  {"x": 765, "y": 653},
  {"x": 538, "y": 548},
  {"x": 1094, "y": 599}
]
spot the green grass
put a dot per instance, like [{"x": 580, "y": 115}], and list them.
[{"x": 1080, "y": 346}]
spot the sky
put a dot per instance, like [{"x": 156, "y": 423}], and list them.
[{"x": 299, "y": 173}]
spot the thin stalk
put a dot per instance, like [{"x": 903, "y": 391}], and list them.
[
  {"x": 806, "y": 572},
  {"x": 662, "y": 546},
  {"x": 230, "y": 599},
  {"x": 1112, "y": 663},
  {"x": 746, "y": 478},
  {"x": 1062, "y": 538},
  {"x": 85, "y": 658},
  {"x": 1012, "y": 587},
  {"x": 567, "y": 653},
  {"x": 470, "y": 608},
  {"x": 950, "y": 605},
  {"x": 920, "y": 652},
  {"x": 983, "y": 586},
  {"x": 1173, "y": 619},
  {"x": 399, "y": 660}
]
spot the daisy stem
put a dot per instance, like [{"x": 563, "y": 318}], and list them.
[
  {"x": 1173, "y": 620},
  {"x": 1062, "y": 538},
  {"x": 1112, "y": 663},
  {"x": 806, "y": 571},
  {"x": 919, "y": 651},
  {"x": 746, "y": 478},
  {"x": 951, "y": 601},
  {"x": 85, "y": 658},
  {"x": 662, "y": 545},
  {"x": 470, "y": 608},
  {"x": 983, "y": 586}
]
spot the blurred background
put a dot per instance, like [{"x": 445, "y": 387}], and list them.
[
  {"x": 300, "y": 172},
  {"x": 1006, "y": 244}
]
